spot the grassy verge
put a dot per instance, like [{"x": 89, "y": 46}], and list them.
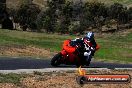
[
  {"x": 11, "y": 78},
  {"x": 113, "y": 47},
  {"x": 48, "y": 41}
]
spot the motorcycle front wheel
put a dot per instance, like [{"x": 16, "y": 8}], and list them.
[{"x": 55, "y": 61}]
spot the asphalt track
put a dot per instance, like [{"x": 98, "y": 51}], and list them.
[{"x": 7, "y": 63}]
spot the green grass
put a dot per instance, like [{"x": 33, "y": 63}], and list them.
[
  {"x": 113, "y": 47},
  {"x": 11, "y": 78},
  {"x": 116, "y": 48},
  {"x": 48, "y": 41}
]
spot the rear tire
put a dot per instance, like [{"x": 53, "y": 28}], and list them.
[{"x": 55, "y": 61}]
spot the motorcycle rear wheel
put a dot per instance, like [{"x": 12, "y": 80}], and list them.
[{"x": 55, "y": 61}]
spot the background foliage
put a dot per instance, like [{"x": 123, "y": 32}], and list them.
[{"x": 65, "y": 16}]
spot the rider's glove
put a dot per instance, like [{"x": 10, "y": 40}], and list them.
[{"x": 93, "y": 49}]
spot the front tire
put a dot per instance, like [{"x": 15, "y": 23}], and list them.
[{"x": 55, "y": 61}]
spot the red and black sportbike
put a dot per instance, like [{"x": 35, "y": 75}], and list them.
[{"x": 70, "y": 55}]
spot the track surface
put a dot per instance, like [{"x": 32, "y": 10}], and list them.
[{"x": 7, "y": 63}]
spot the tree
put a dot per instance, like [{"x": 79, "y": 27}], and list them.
[
  {"x": 87, "y": 17},
  {"x": 7, "y": 23},
  {"x": 65, "y": 17},
  {"x": 47, "y": 21},
  {"x": 123, "y": 17},
  {"x": 47, "y": 18},
  {"x": 95, "y": 14},
  {"x": 115, "y": 10},
  {"x": 118, "y": 13},
  {"x": 57, "y": 16},
  {"x": 3, "y": 11},
  {"x": 27, "y": 15},
  {"x": 129, "y": 12}
]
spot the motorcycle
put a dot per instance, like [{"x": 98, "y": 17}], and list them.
[{"x": 73, "y": 55}]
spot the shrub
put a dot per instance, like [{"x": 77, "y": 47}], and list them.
[{"x": 27, "y": 15}]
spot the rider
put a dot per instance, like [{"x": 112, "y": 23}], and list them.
[{"x": 88, "y": 38}]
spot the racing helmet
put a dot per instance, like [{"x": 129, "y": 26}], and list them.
[{"x": 89, "y": 35}]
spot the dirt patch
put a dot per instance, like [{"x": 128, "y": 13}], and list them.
[
  {"x": 125, "y": 54},
  {"x": 68, "y": 80},
  {"x": 7, "y": 85},
  {"x": 19, "y": 50}
]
